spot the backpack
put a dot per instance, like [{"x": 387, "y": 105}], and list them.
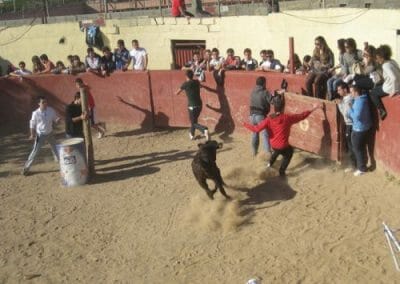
[{"x": 93, "y": 37}]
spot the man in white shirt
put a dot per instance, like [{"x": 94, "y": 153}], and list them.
[
  {"x": 41, "y": 128},
  {"x": 139, "y": 56},
  {"x": 21, "y": 71}
]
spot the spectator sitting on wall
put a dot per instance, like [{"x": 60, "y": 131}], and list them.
[
  {"x": 232, "y": 62},
  {"x": 305, "y": 66},
  {"x": 92, "y": 61},
  {"x": 37, "y": 66},
  {"x": 178, "y": 9},
  {"x": 248, "y": 63},
  {"x": 48, "y": 65},
  {"x": 138, "y": 56},
  {"x": 216, "y": 62},
  {"x": 391, "y": 77},
  {"x": 337, "y": 77},
  {"x": 77, "y": 65},
  {"x": 107, "y": 61},
  {"x": 322, "y": 60},
  {"x": 195, "y": 66},
  {"x": 21, "y": 71},
  {"x": 216, "y": 65},
  {"x": 205, "y": 63},
  {"x": 268, "y": 62},
  {"x": 60, "y": 68},
  {"x": 121, "y": 56},
  {"x": 297, "y": 64}
]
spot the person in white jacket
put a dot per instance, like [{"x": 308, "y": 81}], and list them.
[
  {"x": 391, "y": 79},
  {"x": 41, "y": 131}
]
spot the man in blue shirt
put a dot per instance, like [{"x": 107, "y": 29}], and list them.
[
  {"x": 360, "y": 114},
  {"x": 121, "y": 56}
]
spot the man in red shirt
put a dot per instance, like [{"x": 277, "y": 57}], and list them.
[
  {"x": 278, "y": 126},
  {"x": 100, "y": 128},
  {"x": 178, "y": 9}
]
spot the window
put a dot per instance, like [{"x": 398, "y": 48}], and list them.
[{"x": 182, "y": 51}]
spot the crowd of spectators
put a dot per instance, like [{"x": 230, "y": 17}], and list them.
[
  {"x": 104, "y": 65},
  {"x": 373, "y": 68}
]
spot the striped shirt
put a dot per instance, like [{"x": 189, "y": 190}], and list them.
[{"x": 42, "y": 121}]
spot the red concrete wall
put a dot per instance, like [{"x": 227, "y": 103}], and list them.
[
  {"x": 121, "y": 98},
  {"x": 387, "y": 143},
  {"x": 147, "y": 99}
]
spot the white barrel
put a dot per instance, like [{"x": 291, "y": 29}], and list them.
[{"x": 73, "y": 167}]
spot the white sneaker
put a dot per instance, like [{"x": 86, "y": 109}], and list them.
[
  {"x": 100, "y": 135},
  {"x": 268, "y": 165},
  {"x": 191, "y": 136},
  {"x": 207, "y": 135},
  {"x": 347, "y": 170},
  {"x": 358, "y": 173}
]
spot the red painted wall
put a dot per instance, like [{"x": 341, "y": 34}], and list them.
[{"x": 147, "y": 99}]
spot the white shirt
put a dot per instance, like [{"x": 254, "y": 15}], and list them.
[
  {"x": 217, "y": 62},
  {"x": 42, "y": 121},
  {"x": 22, "y": 72},
  {"x": 344, "y": 108},
  {"x": 391, "y": 76},
  {"x": 93, "y": 63},
  {"x": 138, "y": 57}
]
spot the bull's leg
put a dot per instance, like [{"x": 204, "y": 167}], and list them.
[
  {"x": 219, "y": 184},
  {"x": 204, "y": 185}
]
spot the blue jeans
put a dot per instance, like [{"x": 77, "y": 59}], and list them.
[
  {"x": 255, "y": 140},
  {"x": 359, "y": 140},
  {"x": 332, "y": 84}
]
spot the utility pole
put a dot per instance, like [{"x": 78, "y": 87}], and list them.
[
  {"x": 45, "y": 11},
  {"x": 87, "y": 135}
]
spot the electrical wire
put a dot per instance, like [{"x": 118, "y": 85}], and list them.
[
  {"x": 323, "y": 22},
  {"x": 21, "y": 35}
]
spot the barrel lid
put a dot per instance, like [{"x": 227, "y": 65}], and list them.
[{"x": 71, "y": 141}]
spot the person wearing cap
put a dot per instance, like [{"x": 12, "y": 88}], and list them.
[
  {"x": 278, "y": 125},
  {"x": 360, "y": 114}
]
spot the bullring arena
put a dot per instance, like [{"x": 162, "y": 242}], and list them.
[{"x": 143, "y": 218}]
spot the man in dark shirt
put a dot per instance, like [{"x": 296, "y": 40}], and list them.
[
  {"x": 107, "y": 62},
  {"x": 260, "y": 100},
  {"x": 192, "y": 89},
  {"x": 74, "y": 118}
]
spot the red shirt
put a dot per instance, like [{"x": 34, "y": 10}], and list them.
[
  {"x": 90, "y": 98},
  {"x": 175, "y": 7},
  {"x": 278, "y": 128}
]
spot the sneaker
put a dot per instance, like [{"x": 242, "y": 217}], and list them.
[
  {"x": 207, "y": 135},
  {"x": 24, "y": 172},
  {"x": 358, "y": 173},
  {"x": 348, "y": 170},
  {"x": 268, "y": 165},
  {"x": 100, "y": 135},
  {"x": 191, "y": 136}
]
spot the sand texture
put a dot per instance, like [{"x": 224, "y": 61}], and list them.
[{"x": 144, "y": 219}]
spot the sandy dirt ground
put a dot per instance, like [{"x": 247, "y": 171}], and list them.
[{"x": 144, "y": 219}]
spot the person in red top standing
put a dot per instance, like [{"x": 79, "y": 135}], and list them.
[
  {"x": 100, "y": 128},
  {"x": 278, "y": 126},
  {"x": 178, "y": 9}
]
